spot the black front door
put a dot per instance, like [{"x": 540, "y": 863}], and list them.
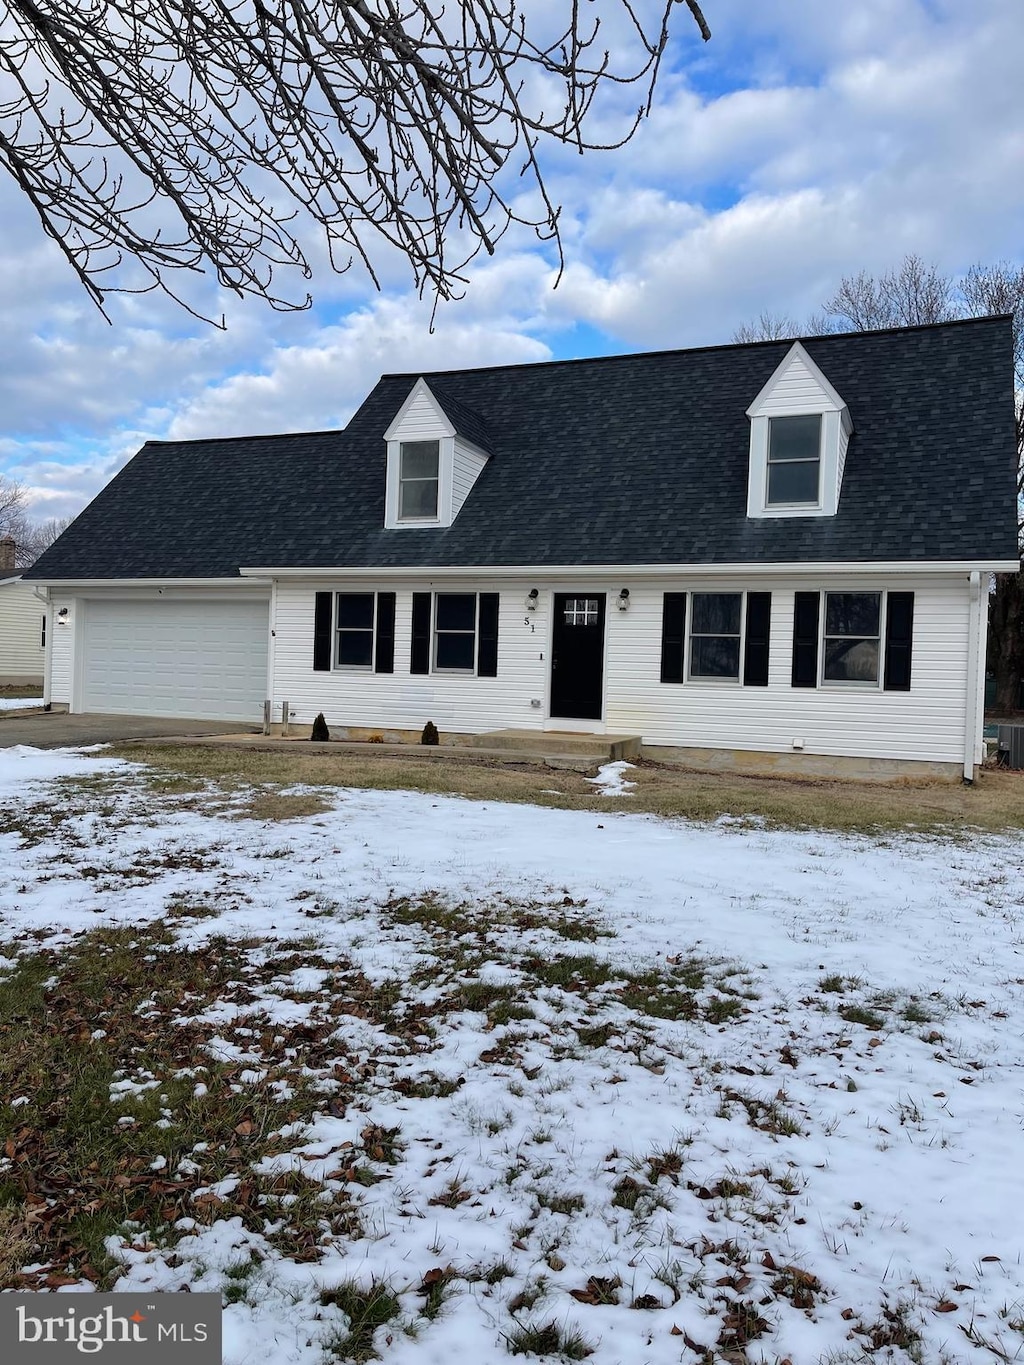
[{"x": 577, "y": 655}]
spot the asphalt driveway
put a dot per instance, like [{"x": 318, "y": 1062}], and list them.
[{"x": 58, "y": 730}]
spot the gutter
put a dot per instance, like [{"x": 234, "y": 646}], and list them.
[{"x": 802, "y": 569}]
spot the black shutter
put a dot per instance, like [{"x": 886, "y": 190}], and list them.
[
  {"x": 899, "y": 633},
  {"x": 384, "y": 655},
  {"x": 759, "y": 624},
  {"x": 487, "y": 625},
  {"x": 673, "y": 637},
  {"x": 805, "y": 639},
  {"x": 420, "y": 659},
  {"x": 323, "y": 620}
]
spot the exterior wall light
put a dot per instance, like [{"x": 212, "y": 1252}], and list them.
[
  {"x": 623, "y": 602},
  {"x": 531, "y": 599}
]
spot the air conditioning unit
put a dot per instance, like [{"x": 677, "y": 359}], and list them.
[{"x": 1011, "y": 746}]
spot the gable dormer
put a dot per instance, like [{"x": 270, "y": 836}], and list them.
[
  {"x": 435, "y": 452},
  {"x": 800, "y": 428}
]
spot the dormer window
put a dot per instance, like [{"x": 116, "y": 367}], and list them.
[
  {"x": 435, "y": 454},
  {"x": 420, "y": 463},
  {"x": 794, "y": 460},
  {"x": 800, "y": 429}
]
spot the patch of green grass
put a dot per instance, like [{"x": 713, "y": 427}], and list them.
[
  {"x": 551, "y": 1339},
  {"x": 559, "y": 1201},
  {"x": 580, "y": 973},
  {"x": 860, "y": 1014},
  {"x": 596, "y": 1035},
  {"x": 657, "y": 995},
  {"x": 833, "y": 984},
  {"x": 366, "y": 1309},
  {"x": 768, "y": 1115}
]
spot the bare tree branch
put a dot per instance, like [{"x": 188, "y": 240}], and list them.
[{"x": 402, "y": 123}]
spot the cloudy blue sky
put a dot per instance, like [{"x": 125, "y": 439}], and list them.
[{"x": 810, "y": 139}]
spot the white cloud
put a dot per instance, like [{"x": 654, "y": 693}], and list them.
[{"x": 807, "y": 141}]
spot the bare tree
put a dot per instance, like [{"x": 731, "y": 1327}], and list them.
[
  {"x": 768, "y": 327},
  {"x": 30, "y": 538},
  {"x": 236, "y": 119},
  {"x": 916, "y": 293},
  {"x": 910, "y": 296},
  {"x": 38, "y": 536}
]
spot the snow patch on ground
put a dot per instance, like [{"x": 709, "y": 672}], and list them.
[{"x": 611, "y": 779}]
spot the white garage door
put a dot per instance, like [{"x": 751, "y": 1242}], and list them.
[{"x": 205, "y": 660}]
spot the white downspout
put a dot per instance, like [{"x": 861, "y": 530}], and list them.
[{"x": 974, "y": 717}]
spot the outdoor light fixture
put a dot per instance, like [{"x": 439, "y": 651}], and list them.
[
  {"x": 531, "y": 599},
  {"x": 624, "y": 600}
]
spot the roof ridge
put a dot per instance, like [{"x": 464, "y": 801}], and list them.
[{"x": 699, "y": 350}]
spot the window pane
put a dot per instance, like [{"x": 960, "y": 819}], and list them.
[
  {"x": 418, "y": 499},
  {"x": 355, "y": 610},
  {"x": 851, "y": 661},
  {"x": 714, "y": 656},
  {"x": 794, "y": 438},
  {"x": 355, "y": 648},
  {"x": 455, "y": 651},
  {"x": 851, "y": 613},
  {"x": 793, "y": 482},
  {"x": 419, "y": 459},
  {"x": 716, "y": 613},
  {"x": 456, "y": 611}
]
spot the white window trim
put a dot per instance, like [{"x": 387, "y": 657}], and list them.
[
  {"x": 445, "y": 469},
  {"x": 455, "y": 672},
  {"x": 336, "y": 665},
  {"x": 805, "y": 505},
  {"x": 853, "y": 684},
  {"x": 700, "y": 679}
]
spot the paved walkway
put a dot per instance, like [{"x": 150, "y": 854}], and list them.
[{"x": 58, "y": 730}]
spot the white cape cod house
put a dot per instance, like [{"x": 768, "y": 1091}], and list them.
[{"x": 780, "y": 550}]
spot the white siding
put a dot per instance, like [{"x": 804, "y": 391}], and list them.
[
  {"x": 467, "y": 466},
  {"x": 797, "y": 390},
  {"x": 422, "y": 421},
  {"x": 844, "y": 442},
  {"x": 21, "y": 618},
  {"x": 925, "y": 723},
  {"x": 62, "y": 649},
  {"x": 401, "y": 700}
]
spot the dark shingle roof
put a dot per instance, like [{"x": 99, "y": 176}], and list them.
[{"x": 629, "y": 459}]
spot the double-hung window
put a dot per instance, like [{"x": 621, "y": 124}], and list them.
[
  {"x": 354, "y": 630},
  {"x": 716, "y": 637},
  {"x": 455, "y": 631},
  {"x": 852, "y": 637},
  {"x": 418, "y": 475},
  {"x": 715, "y": 634},
  {"x": 794, "y": 461}
]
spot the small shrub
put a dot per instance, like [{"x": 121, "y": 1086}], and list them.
[
  {"x": 430, "y": 735},
  {"x": 320, "y": 731}
]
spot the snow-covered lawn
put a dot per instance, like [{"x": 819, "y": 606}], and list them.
[{"x": 591, "y": 1083}]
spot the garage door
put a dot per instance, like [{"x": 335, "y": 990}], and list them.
[{"x": 201, "y": 660}]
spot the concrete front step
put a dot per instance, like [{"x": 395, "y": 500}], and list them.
[{"x": 609, "y": 748}]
